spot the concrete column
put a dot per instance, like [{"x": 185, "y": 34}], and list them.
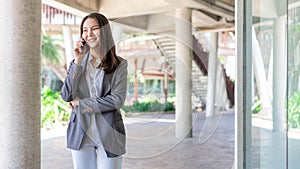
[
  {"x": 270, "y": 77},
  {"x": 136, "y": 83},
  {"x": 183, "y": 73},
  {"x": 211, "y": 83},
  {"x": 165, "y": 81},
  {"x": 243, "y": 132},
  {"x": 117, "y": 32},
  {"x": 260, "y": 75},
  {"x": 221, "y": 97},
  {"x": 68, "y": 40},
  {"x": 20, "y": 84},
  {"x": 279, "y": 73}
]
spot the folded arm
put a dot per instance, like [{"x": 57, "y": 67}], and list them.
[
  {"x": 69, "y": 89},
  {"x": 112, "y": 101}
]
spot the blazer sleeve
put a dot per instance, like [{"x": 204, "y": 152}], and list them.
[
  {"x": 112, "y": 101},
  {"x": 70, "y": 87}
]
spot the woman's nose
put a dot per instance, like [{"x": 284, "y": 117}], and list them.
[{"x": 90, "y": 32}]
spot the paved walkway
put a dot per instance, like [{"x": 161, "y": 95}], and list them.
[{"x": 151, "y": 144}]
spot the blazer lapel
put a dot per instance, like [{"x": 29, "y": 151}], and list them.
[{"x": 99, "y": 86}]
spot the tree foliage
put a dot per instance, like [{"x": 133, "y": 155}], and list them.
[{"x": 50, "y": 50}]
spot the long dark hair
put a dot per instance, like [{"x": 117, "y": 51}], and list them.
[{"x": 110, "y": 61}]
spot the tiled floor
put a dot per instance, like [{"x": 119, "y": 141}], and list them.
[{"x": 151, "y": 144}]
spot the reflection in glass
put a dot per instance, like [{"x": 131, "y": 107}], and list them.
[
  {"x": 269, "y": 54},
  {"x": 293, "y": 95}
]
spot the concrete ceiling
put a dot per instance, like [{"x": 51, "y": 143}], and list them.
[
  {"x": 158, "y": 16},
  {"x": 154, "y": 16}
]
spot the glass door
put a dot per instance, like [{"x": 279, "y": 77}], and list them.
[
  {"x": 269, "y": 84},
  {"x": 293, "y": 85}
]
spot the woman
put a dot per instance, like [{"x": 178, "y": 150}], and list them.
[{"x": 95, "y": 86}]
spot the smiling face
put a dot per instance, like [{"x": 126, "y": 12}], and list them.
[
  {"x": 91, "y": 33},
  {"x": 95, "y": 30}
]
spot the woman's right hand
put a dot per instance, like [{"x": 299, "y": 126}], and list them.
[{"x": 79, "y": 51}]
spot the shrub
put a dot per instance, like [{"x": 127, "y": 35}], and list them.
[
  {"x": 53, "y": 108},
  {"x": 149, "y": 106},
  {"x": 294, "y": 111}
]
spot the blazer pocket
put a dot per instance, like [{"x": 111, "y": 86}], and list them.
[
  {"x": 119, "y": 126},
  {"x": 75, "y": 133}
]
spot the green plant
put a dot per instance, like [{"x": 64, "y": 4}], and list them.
[
  {"x": 294, "y": 110},
  {"x": 169, "y": 106},
  {"x": 257, "y": 109},
  {"x": 53, "y": 108},
  {"x": 149, "y": 106}
]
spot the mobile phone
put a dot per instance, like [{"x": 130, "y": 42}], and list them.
[{"x": 82, "y": 44}]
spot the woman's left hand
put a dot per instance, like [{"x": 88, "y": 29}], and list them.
[{"x": 75, "y": 102}]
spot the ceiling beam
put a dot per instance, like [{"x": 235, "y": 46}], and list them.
[
  {"x": 72, "y": 7},
  {"x": 199, "y": 18},
  {"x": 58, "y": 28},
  {"x": 127, "y": 8},
  {"x": 203, "y": 5}
]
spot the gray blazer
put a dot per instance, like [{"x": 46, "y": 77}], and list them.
[{"x": 106, "y": 106}]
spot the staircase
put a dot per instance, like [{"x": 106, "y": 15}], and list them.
[
  {"x": 166, "y": 45},
  {"x": 224, "y": 87}
]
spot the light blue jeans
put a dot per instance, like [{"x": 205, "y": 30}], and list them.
[{"x": 90, "y": 157}]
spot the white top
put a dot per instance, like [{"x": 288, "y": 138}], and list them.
[{"x": 91, "y": 75}]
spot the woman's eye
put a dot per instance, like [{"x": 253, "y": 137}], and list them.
[
  {"x": 96, "y": 28},
  {"x": 84, "y": 30}
]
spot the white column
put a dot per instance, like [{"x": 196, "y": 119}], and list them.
[
  {"x": 20, "y": 84},
  {"x": 165, "y": 81},
  {"x": 183, "y": 73},
  {"x": 270, "y": 77},
  {"x": 279, "y": 73},
  {"x": 69, "y": 46},
  {"x": 260, "y": 75},
  {"x": 211, "y": 83},
  {"x": 117, "y": 32},
  {"x": 243, "y": 139}
]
